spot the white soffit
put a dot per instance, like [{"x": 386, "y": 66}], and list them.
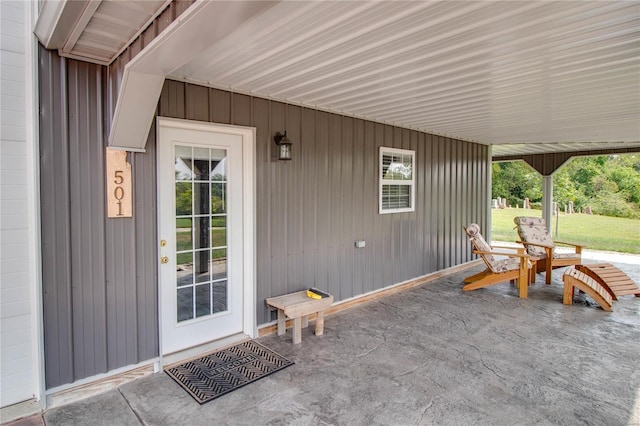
[
  {"x": 94, "y": 30},
  {"x": 526, "y": 77}
]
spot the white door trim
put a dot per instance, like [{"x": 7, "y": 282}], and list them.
[{"x": 248, "y": 134}]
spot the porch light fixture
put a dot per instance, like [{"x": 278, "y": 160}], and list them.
[{"x": 284, "y": 145}]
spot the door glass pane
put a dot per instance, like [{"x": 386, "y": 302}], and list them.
[
  {"x": 218, "y": 197},
  {"x": 219, "y": 231},
  {"x": 203, "y": 300},
  {"x": 219, "y": 296},
  {"x": 201, "y": 164},
  {"x": 218, "y": 165},
  {"x": 184, "y": 232},
  {"x": 201, "y": 197},
  {"x": 184, "y": 269},
  {"x": 183, "y": 199},
  {"x": 183, "y": 163},
  {"x": 201, "y": 232},
  {"x": 185, "y": 303},
  {"x": 219, "y": 264},
  {"x": 201, "y": 266}
]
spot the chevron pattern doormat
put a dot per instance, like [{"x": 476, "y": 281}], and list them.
[{"x": 226, "y": 370}]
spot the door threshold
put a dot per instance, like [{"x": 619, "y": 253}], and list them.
[{"x": 195, "y": 352}]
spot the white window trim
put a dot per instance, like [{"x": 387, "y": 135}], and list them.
[{"x": 411, "y": 183}]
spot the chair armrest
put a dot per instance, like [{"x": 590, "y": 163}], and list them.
[
  {"x": 508, "y": 247},
  {"x": 499, "y": 253},
  {"x": 578, "y": 247},
  {"x": 534, "y": 244}
]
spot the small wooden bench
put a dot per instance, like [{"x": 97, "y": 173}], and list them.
[
  {"x": 575, "y": 279},
  {"x": 298, "y": 306}
]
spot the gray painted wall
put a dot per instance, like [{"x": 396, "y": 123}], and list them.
[
  {"x": 311, "y": 210},
  {"x": 100, "y": 275}
]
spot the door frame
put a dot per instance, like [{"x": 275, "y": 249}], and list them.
[{"x": 248, "y": 134}]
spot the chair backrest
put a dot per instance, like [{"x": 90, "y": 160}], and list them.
[
  {"x": 533, "y": 230},
  {"x": 480, "y": 244}
]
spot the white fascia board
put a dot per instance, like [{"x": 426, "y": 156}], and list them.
[
  {"x": 196, "y": 30},
  {"x": 57, "y": 19},
  {"x": 136, "y": 105}
]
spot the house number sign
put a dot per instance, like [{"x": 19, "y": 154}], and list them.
[{"x": 119, "y": 199}]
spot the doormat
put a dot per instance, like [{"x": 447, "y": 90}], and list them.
[{"x": 226, "y": 370}]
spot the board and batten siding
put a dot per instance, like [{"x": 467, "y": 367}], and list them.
[
  {"x": 100, "y": 275},
  {"x": 311, "y": 210}
]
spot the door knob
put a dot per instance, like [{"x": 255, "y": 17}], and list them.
[{"x": 164, "y": 259}]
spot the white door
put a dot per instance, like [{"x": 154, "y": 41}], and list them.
[{"x": 204, "y": 264}]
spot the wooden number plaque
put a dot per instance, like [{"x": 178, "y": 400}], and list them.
[{"x": 119, "y": 199}]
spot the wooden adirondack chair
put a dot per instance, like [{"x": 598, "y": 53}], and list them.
[
  {"x": 514, "y": 267},
  {"x": 537, "y": 239}
]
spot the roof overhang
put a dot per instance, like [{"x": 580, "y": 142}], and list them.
[
  {"x": 525, "y": 77},
  {"x": 144, "y": 75},
  {"x": 94, "y": 31}
]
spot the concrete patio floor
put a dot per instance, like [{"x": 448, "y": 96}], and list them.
[{"x": 429, "y": 355}]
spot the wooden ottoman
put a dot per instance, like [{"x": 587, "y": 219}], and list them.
[{"x": 616, "y": 282}]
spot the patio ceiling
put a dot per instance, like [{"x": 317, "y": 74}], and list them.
[{"x": 526, "y": 77}]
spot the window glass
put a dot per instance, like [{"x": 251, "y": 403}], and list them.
[{"x": 397, "y": 183}]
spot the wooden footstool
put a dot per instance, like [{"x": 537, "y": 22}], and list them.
[
  {"x": 575, "y": 279},
  {"x": 616, "y": 282},
  {"x": 299, "y": 306}
]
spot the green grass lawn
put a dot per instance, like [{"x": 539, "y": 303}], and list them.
[{"x": 595, "y": 232}]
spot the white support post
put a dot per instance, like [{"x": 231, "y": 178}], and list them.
[
  {"x": 487, "y": 231},
  {"x": 547, "y": 200}
]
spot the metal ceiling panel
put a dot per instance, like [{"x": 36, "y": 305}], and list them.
[
  {"x": 519, "y": 74},
  {"x": 525, "y": 77}
]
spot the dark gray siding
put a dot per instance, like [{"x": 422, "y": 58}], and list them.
[
  {"x": 56, "y": 221},
  {"x": 99, "y": 275},
  {"x": 311, "y": 210}
]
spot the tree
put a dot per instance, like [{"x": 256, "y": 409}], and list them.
[
  {"x": 610, "y": 185},
  {"x": 515, "y": 181}
]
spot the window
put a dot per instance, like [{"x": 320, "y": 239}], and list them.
[{"x": 397, "y": 181}]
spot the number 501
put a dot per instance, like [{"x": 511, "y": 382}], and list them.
[
  {"x": 118, "y": 192},
  {"x": 119, "y": 199}
]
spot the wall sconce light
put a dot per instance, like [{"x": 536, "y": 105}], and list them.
[{"x": 284, "y": 145}]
